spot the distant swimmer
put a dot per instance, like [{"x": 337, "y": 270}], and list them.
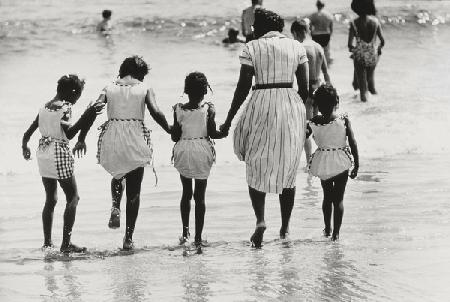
[
  {"x": 233, "y": 37},
  {"x": 105, "y": 25},
  {"x": 322, "y": 28},
  {"x": 248, "y": 17}
]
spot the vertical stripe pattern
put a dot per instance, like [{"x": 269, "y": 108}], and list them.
[{"x": 270, "y": 133}]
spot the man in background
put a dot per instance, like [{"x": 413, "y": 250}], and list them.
[
  {"x": 248, "y": 17},
  {"x": 322, "y": 28}
]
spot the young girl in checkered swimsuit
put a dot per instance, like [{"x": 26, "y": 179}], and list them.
[
  {"x": 124, "y": 145},
  {"x": 193, "y": 153},
  {"x": 54, "y": 158},
  {"x": 332, "y": 160}
]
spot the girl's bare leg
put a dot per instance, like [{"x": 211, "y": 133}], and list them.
[
  {"x": 69, "y": 187},
  {"x": 51, "y": 198},
  {"x": 133, "y": 191},
  {"x": 185, "y": 205},
  {"x": 200, "y": 208}
]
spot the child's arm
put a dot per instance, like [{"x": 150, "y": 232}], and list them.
[
  {"x": 176, "y": 128},
  {"x": 80, "y": 147},
  {"x": 353, "y": 148},
  {"x": 26, "y": 138},
  {"x": 156, "y": 114},
  {"x": 211, "y": 124},
  {"x": 84, "y": 122}
]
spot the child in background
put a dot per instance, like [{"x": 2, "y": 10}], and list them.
[
  {"x": 193, "y": 153},
  {"x": 233, "y": 37},
  {"x": 55, "y": 161},
  {"x": 317, "y": 66},
  {"x": 331, "y": 161},
  {"x": 105, "y": 25},
  {"x": 124, "y": 145}
]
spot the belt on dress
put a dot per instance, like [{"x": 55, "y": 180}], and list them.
[
  {"x": 126, "y": 119},
  {"x": 45, "y": 141},
  {"x": 192, "y": 138},
  {"x": 333, "y": 149},
  {"x": 272, "y": 86}
]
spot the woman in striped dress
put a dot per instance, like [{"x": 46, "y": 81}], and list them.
[{"x": 270, "y": 134}]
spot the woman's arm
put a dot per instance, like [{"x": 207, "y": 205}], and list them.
[
  {"x": 157, "y": 115},
  {"x": 302, "y": 75},
  {"x": 351, "y": 36},
  {"x": 353, "y": 148},
  {"x": 381, "y": 37},
  {"x": 240, "y": 94},
  {"x": 26, "y": 138}
]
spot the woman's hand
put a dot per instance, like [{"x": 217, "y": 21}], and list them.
[
  {"x": 379, "y": 50},
  {"x": 224, "y": 129},
  {"x": 26, "y": 152},
  {"x": 354, "y": 172},
  {"x": 80, "y": 149}
]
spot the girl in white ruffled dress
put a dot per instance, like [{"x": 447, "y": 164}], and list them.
[
  {"x": 332, "y": 159},
  {"x": 193, "y": 153},
  {"x": 124, "y": 145}
]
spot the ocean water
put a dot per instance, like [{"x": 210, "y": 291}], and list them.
[{"x": 394, "y": 242}]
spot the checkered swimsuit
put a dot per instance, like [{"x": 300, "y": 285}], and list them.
[{"x": 63, "y": 158}]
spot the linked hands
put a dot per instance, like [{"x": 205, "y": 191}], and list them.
[{"x": 354, "y": 172}]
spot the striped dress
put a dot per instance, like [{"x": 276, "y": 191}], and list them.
[{"x": 270, "y": 133}]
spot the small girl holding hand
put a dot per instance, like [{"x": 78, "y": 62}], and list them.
[
  {"x": 332, "y": 159},
  {"x": 193, "y": 153},
  {"x": 54, "y": 158}
]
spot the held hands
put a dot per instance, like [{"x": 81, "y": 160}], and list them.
[
  {"x": 224, "y": 129},
  {"x": 354, "y": 172},
  {"x": 79, "y": 149}
]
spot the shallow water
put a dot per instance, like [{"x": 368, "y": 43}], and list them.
[{"x": 395, "y": 236}]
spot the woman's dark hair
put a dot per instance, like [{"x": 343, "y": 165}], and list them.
[
  {"x": 196, "y": 83},
  {"x": 265, "y": 21},
  {"x": 364, "y": 7},
  {"x": 69, "y": 87},
  {"x": 134, "y": 66},
  {"x": 326, "y": 98}
]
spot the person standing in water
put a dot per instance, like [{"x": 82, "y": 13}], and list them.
[
  {"x": 317, "y": 66},
  {"x": 270, "y": 133},
  {"x": 55, "y": 161},
  {"x": 193, "y": 154},
  {"x": 248, "y": 17},
  {"x": 124, "y": 144},
  {"x": 365, "y": 53},
  {"x": 105, "y": 25},
  {"x": 332, "y": 159},
  {"x": 322, "y": 28}
]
